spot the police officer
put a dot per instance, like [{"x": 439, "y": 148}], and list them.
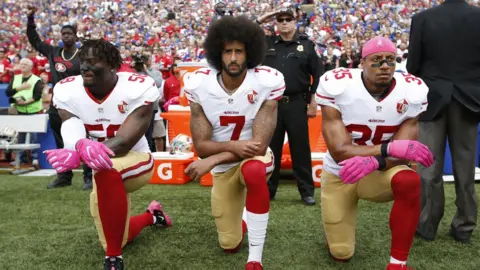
[{"x": 296, "y": 57}]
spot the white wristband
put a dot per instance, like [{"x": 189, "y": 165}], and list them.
[{"x": 72, "y": 131}]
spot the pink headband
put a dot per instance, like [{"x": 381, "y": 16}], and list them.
[{"x": 378, "y": 44}]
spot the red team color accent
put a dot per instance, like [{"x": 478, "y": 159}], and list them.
[
  {"x": 405, "y": 212},
  {"x": 258, "y": 197},
  {"x": 137, "y": 223},
  {"x": 113, "y": 208}
]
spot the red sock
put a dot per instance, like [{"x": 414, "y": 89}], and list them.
[
  {"x": 137, "y": 223},
  {"x": 113, "y": 209},
  {"x": 258, "y": 196},
  {"x": 405, "y": 212}
]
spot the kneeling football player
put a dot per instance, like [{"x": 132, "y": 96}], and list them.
[
  {"x": 105, "y": 115},
  {"x": 233, "y": 116},
  {"x": 370, "y": 125}
]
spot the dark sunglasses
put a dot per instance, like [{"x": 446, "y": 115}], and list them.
[{"x": 281, "y": 20}]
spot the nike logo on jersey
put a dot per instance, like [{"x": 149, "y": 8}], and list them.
[{"x": 326, "y": 77}]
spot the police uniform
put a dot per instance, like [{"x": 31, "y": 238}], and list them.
[{"x": 299, "y": 62}]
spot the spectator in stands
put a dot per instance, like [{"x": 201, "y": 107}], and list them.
[
  {"x": 25, "y": 93},
  {"x": 5, "y": 67},
  {"x": 330, "y": 60},
  {"x": 64, "y": 62},
  {"x": 172, "y": 85},
  {"x": 444, "y": 43}
]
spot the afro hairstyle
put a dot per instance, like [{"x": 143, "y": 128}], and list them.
[
  {"x": 240, "y": 29},
  {"x": 102, "y": 49}
]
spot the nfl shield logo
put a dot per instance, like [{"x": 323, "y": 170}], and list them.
[
  {"x": 402, "y": 106},
  {"x": 252, "y": 97}
]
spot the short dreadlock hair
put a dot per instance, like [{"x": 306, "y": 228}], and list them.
[
  {"x": 239, "y": 29},
  {"x": 102, "y": 49}
]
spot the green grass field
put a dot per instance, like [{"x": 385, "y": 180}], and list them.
[{"x": 52, "y": 229}]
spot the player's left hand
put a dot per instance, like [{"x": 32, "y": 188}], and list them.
[
  {"x": 356, "y": 168},
  {"x": 411, "y": 150},
  {"x": 199, "y": 168},
  {"x": 96, "y": 155},
  {"x": 63, "y": 160},
  {"x": 312, "y": 111}
]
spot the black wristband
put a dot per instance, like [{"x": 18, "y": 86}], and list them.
[
  {"x": 384, "y": 150},
  {"x": 382, "y": 162}
]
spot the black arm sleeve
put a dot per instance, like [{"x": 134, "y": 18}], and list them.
[
  {"x": 37, "y": 91},
  {"x": 316, "y": 68},
  {"x": 10, "y": 91},
  {"x": 35, "y": 40}
]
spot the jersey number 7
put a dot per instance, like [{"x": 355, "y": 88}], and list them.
[{"x": 238, "y": 121}]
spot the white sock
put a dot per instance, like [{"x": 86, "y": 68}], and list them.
[
  {"x": 395, "y": 261},
  {"x": 154, "y": 219},
  {"x": 244, "y": 215},
  {"x": 257, "y": 231}
]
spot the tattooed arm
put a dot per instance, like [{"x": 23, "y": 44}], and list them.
[
  {"x": 201, "y": 130},
  {"x": 264, "y": 125}
]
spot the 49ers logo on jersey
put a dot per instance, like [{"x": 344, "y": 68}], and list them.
[
  {"x": 252, "y": 97},
  {"x": 402, "y": 106},
  {"x": 123, "y": 107},
  {"x": 60, "y": 67}
]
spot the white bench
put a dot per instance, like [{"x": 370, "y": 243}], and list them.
[{"x": 37, "y": 123}]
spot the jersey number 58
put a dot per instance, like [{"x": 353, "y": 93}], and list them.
[{"x": 111, "y": 130}]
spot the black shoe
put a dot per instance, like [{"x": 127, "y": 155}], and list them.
[
  {"x": 63, "y": 180},
  {"x": 87, "y": 183},
  {"x": 461, "y": 237},
  {"x": 113, "y": 263},
  {"x": 309, "y": 200},
  {"x": 429, "y": 239}
]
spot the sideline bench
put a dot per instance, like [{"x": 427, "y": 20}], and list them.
[{"x": 37, "y": 123}]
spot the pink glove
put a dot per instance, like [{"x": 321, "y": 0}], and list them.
[
  {"x": 356, "y": 168},
  {"x": 63, "y": 160},
  {"x": 411, "y": 150},
  {"x": 94, "y": 154}
]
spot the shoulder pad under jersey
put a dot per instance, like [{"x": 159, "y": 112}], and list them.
[
  {"x": 194, "y": 79},
  {"x": 336, "y": 81},
  {"x": 136, "y": 84},
  {"x": 416, "y": 89},
  {"x": 268, "y": 76},
  {"x": 65, "y": 88}
]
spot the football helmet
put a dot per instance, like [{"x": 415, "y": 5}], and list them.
[
  {"x": 181, "y": 144},
  {"x": 8, "y": 136}
]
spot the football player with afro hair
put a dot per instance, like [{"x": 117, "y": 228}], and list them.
[
  {"x": 239, "y": 29},
  {"x": 233, "y": 107}
]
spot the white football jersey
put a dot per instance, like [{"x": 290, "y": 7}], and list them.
[
  {"x": 370, "y": 122},
  {"x": 232, "y": 116},
  {"x": 102, "y": 118}
]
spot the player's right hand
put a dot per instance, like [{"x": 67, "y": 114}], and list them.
[
  {"x": 245, "y": 149},
  {"x": 94, "y": 154},
  {"x": 63, "y": 160},
  {"x": 199, "y": 168},
  {"x": 356, "y": 168},
  {"x": 411, "y": 150},
  {"x": 31, "y": 11}
]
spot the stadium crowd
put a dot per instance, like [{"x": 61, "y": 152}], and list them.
[{"x": 175, "y": 30}]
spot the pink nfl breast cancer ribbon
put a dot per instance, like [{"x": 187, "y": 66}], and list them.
[{"x": 377, "y": 45}]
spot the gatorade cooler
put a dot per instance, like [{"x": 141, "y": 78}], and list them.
[
  {"x": 169, "y": 169},
  {"x": 317, "y": 167}
]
